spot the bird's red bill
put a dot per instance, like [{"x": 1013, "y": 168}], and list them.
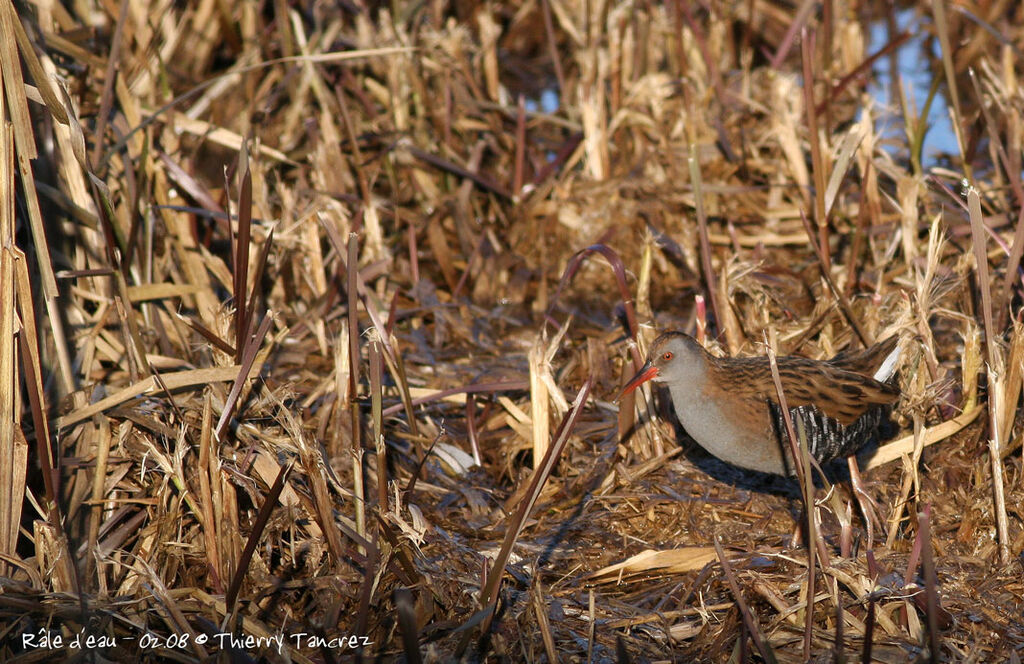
[{"x": 645, "y": 374}]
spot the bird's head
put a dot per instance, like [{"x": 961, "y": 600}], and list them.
[{"x": 674, "y": 358}]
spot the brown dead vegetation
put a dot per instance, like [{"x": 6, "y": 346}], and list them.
[{"x": 313, "y": 314}]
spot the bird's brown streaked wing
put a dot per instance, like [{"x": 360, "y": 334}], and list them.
[
  {"x": 842, "y": 395},
  {"x": 866, "y": 361}
]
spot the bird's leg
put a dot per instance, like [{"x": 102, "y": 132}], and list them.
[
  {"x": 868, "y": 506},
  {"x": 846, "y": 532},
  {"x": 797, "y": 539}
]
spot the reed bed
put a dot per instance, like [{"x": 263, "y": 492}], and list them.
[{"x": 313, "y": 316}]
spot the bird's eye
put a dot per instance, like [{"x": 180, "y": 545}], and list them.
[{"x": 667, "y": 355}]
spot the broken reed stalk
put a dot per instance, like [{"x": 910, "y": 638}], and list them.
[
  {"x": 358, "y": 491},
  {"x": 13, "y": 462},
  {"x": 240, "y": 273},
  {"x": 906, "y": 611},
  {"x": 931, "y": 582},
  {"x": 249, "y": 353},
  {"x": 207, "y": 476},
  {"x": 700, "y": 312},
  {"x": 817, "y": 158},
  {"x": 643, "y": 279},
  {"x": 471, "y": 433},
  {"x": 266, "y": 509},
  {"x": 19, "y": 151},
  {"x": 591, "y": 625},
  {"x": 101, "y": 435},
  {"x": 839, "y": 641},
  {"x": 13, "y": 264},
  {"x": 540, "y": 411},
  {"x": 366, "y": 588},
  {"x": 702, "y": 234},
  {"x": 257, "y": 277},
  {"x": 377, "y": 420},
  {"x": 994, "y": 368},
  {"x": 869, "y": 630},
  {"x": 396, "y": 366}
]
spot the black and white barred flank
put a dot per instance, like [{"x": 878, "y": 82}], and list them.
[{"x": 827, "y": 438}]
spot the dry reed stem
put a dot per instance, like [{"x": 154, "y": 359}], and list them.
[
  {"x": 994, "y": 370},
  {"x": 799, "y": 453},
  {"x": 208, "y": 478},
  {"x": 377, "y": 420},
  {"x": 946, "y": 50},
  {"x": 539, "y": 402},
  {"x": 930, "y": 583},
  {"x": 717, "y": 306},
  {"x": 240, "y": 263},
  {"x": 11, "y": 475},
  {"x": 807, "y": 39}
]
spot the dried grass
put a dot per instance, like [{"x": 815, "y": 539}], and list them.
[{"x": 293, "y": 299}]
